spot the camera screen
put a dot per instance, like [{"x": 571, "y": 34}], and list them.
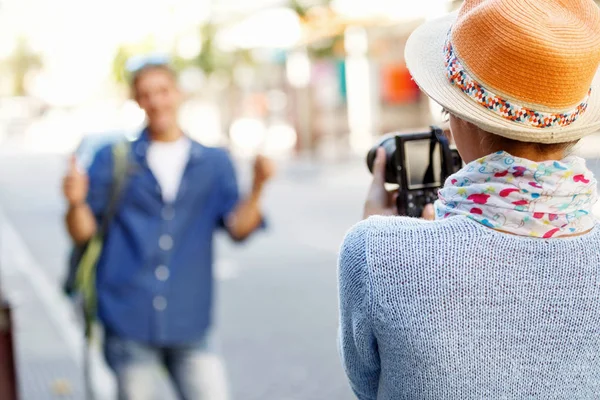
[{"x": 419, "y": 173}]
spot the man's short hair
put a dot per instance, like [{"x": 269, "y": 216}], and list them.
[{"x": 137, "y": 73}]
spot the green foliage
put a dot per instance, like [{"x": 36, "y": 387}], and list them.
[
  {"x": 124, "y": 53},
  {"x": 22, "y": 61},
  {"x": 326, "y": 48},
  {"x": 119, "y": 62},
  {"x": 298, "y": 8},
  {"x": 212, "y": 59}
]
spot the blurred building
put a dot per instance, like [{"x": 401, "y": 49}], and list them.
[
  {"x": 317, "y": 77},
  {"x": 341, "y": 75}
]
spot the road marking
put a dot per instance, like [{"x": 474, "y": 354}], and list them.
[{"x": 19, "y": 260}]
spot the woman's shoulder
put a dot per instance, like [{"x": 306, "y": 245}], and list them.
[
  {"x": 385, "y": 234},
  {"x": 380, "y": 239},
  {"x": 384, "y": 225},
  {"x": 403, "y": 231}
]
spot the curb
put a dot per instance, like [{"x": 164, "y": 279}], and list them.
[{"x": 55, "y": 305}]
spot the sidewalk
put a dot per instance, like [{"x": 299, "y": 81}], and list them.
[{"x": 48, "y": 342}]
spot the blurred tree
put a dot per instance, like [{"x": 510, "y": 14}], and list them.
[
  {"x": 311, "y": 11},
  {"x": 20, "y": 63},
  {"x": 213, "y": 59},
  {"x": 328, "y": 48},
  {"x": 210, "y": 58},
  {"x": 124, "y": 53},
  {"x": 119, "y": 63},
  {"x": 303, "y": 6},
  {"x": 300, "y": 9}
]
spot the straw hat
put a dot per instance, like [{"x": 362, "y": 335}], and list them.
[{"x": 522, "y": 69}]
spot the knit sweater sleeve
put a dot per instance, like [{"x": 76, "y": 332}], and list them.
[{"x": 357, "y": 342}]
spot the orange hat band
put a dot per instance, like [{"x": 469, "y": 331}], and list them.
[{"x": 509, "y": 110}]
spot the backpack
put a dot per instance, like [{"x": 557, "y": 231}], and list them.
[{"x": 81, "y": 278}]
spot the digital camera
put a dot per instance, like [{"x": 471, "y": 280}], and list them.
[{"x": 419, "y": 164}]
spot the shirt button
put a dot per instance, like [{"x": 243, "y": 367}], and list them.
[
  {"x": 162, "y": 273},
  {"x": 168, "y": 213},
  {"x": 159, "y": 303},
  {"x": 165, "y": 242}
]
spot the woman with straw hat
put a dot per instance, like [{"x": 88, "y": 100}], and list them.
[{"x": 499, "y": 297}]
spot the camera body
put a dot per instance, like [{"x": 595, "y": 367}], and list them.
[{"x": 419, "y": 163}]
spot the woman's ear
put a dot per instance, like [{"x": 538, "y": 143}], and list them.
[
  {"x": 448, "y": 135},
  {"x": 467, "y": 139}
]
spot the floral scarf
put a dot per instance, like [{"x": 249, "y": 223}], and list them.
[{"x": 539, "y": 199}]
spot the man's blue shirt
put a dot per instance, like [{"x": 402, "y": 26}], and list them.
[{"x": 155, "y": 275}]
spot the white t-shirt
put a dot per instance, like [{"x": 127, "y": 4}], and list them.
[{"x": 167, "y": 161}]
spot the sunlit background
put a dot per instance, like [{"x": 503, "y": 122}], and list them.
[{"x": 284, "y": 77}]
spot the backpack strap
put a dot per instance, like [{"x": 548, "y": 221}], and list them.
[
  {"x": 85, "y": 280},
  {"x": 120, "y": 152}
]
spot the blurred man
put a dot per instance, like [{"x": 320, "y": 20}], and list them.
[{"x": 155, "y": 277}]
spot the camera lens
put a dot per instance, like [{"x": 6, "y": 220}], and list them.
[{"x": 389, "y": 145}]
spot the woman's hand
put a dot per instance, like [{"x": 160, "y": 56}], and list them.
[
  {"x": 379, "y": 200},
  {"x": 428, "y": 212}
]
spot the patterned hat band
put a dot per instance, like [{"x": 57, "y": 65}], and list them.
[{"x": 459, "y": 77}]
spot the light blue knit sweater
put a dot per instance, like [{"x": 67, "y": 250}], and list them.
[{"x": 454, "y": 310}]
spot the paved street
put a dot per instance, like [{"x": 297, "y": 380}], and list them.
[
  {"x": 277, "y": 311},
  {"x": 277, "y": 308}
]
